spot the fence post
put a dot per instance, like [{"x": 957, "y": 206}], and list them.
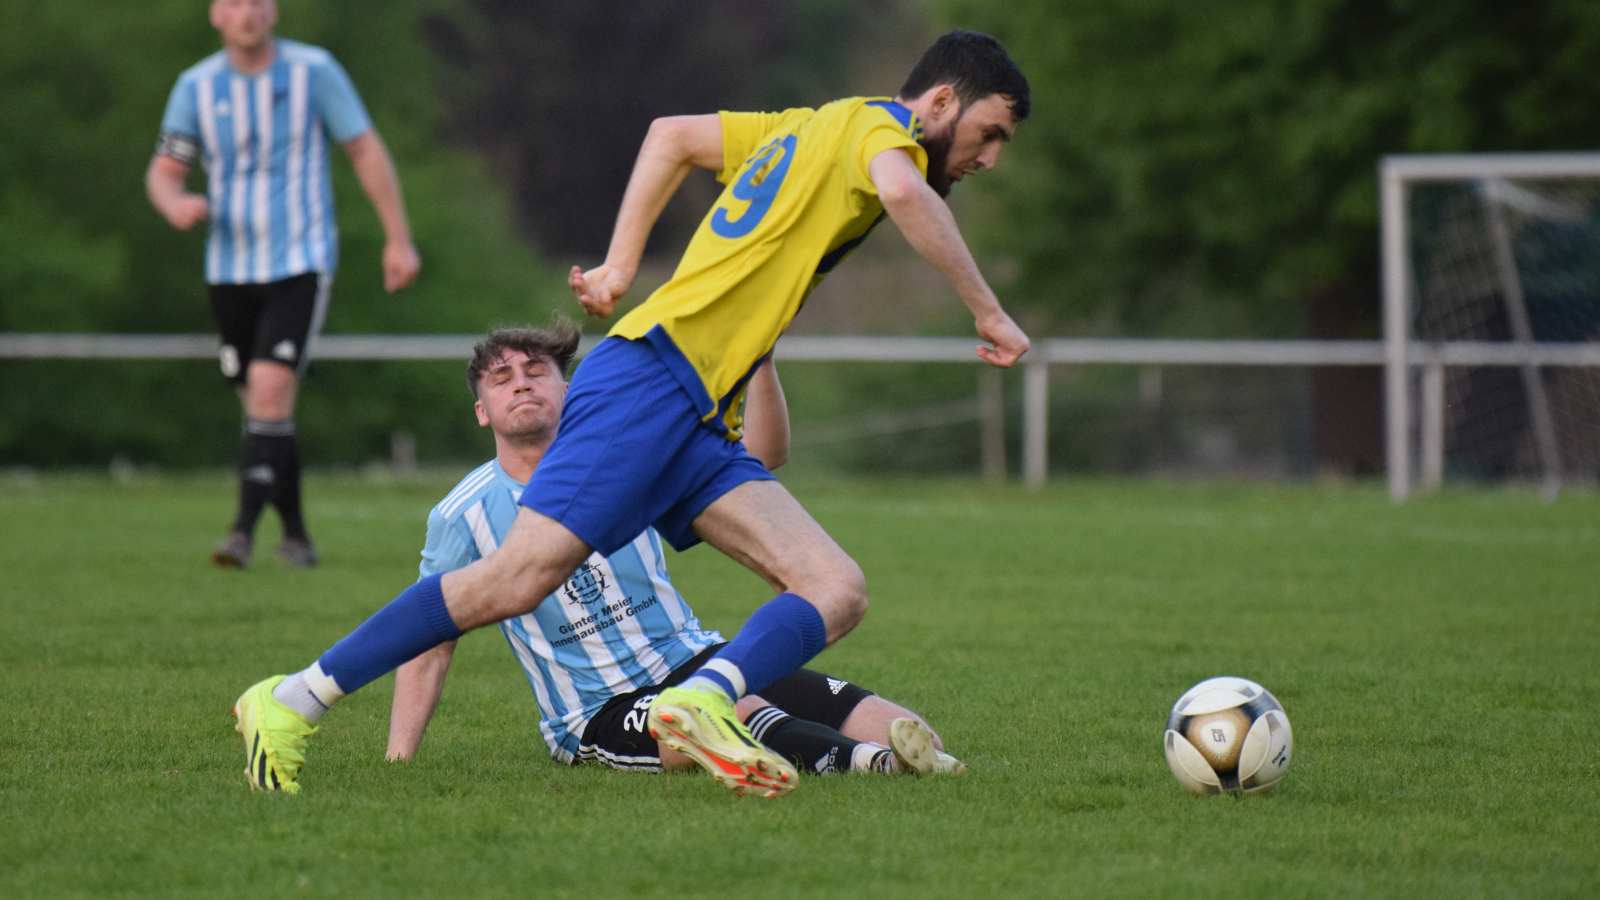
[
  {"x": 1035, "y": 421},
  {"x": 992, "y": 418}
]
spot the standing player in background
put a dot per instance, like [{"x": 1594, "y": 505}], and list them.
[
  {"x": 598, "y": 651},
  {"x": 649, "y": 436},
  {"x": 257, "y": 115}
]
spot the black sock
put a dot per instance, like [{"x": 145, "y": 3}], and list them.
[
  {"x": 283, "y": 455},
  {"x": 256, "y": 479},
  {"x": 814, "y": 747}
]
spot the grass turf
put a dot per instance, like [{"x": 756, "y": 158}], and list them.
[{"x": 1437, "y": 661}]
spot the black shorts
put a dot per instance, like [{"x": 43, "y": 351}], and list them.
[
  {"x": 276, "y": 321},
  {"x": 617, "y": 736}
]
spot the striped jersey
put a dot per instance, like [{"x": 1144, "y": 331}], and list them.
[
  {"x": 616, "y": 625},
  {"x": 798, "y": 198},
  {"x": 263, "y": 140}
]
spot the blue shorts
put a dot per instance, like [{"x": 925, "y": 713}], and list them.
[{"x": 631, "y": 452}]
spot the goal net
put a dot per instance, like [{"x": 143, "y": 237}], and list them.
[{"x": 1495, "y": 296}]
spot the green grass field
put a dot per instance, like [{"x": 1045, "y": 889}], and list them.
[{"x": 1438, "y": 662}]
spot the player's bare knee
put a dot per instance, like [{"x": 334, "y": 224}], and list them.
[
  {"x": 841, "y": 598},
  {"x": 268, "y": 381},
  {"x": 853, "y": 590}
]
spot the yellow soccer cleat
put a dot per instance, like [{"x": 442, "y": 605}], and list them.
[
  {"x": 912, "y": 744},
  {"x": 703, "y": 726},
  {"x": 274, "y": 738}
]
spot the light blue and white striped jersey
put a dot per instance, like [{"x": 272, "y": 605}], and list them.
[
  {"x": 264, "y": 141},
  {"x": 615, "y": 626}
]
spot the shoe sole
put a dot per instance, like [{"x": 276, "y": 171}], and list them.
[
  {"x": 228, "y": 561},
  {"x": 746, "y": 771},
  {"x": 912, "y": 744}
]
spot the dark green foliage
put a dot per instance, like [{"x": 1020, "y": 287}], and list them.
[
  {"x": 85, "y": 88},
  {"x": 1196, "y": 168},
  {"x": 558, "y": 95}
]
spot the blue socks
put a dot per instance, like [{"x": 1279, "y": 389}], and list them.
[
  {"x": 781, "y": 636},
  {"x": 411, "y": 623}
]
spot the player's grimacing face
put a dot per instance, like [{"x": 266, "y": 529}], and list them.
[
  {"x": 246, "y": 24},
  {"x": 520, "y": 396},
  {"x": 971, "y": 141}
]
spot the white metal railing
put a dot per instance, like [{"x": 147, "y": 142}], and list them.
[{"x": 1431, "y": 359}]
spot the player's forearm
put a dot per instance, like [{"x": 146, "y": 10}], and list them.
[
  {"x": 663, "y": 162},
  {"x": 766, "y": 418},
  {"x": 417, "y": 686},
  {"x": 931, "y": 230},
  {"x": 375, "y": 170},
  {"x": 164, "y": 187}
]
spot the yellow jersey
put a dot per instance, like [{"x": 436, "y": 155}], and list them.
[{"x": 798, "y": 198}]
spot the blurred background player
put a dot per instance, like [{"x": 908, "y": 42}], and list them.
[
  {"x": 649, "y": 435},
  {"x": 257, "y": 115},
  {"x": 597, "y": 651}
]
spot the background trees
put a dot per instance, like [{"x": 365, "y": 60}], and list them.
[{"x": 1189, "y": 169}]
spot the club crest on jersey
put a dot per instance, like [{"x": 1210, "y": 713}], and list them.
[{"x": 587, "y": 585}]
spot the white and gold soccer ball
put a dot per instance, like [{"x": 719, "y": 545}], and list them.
[{"x": 1228, "y": 735}]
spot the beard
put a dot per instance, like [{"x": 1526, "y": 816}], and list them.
[{"x": 938, "y": 150}]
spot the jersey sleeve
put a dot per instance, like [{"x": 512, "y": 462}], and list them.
[
  {"x": 182, "y": 116},
  {"x": 338, "y": 104},
  {"x": 448, "y": 547},
  {"x": 877, "y": 131},
  {"x": 743, "y": 132},
  {"x": 180, "y": 125}
]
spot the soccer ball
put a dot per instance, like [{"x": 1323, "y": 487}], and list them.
[{"x": 1228, "y": 735}]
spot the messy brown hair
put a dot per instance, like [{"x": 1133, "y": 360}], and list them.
[{"x": 557, "y": 342}]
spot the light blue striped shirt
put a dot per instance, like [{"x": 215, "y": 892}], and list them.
[
  {"x": 263, "y": 139},
  {"x": 615, "y": 626}
]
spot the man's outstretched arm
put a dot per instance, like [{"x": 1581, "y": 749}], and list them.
[
  {"x": 673, "y": 146},
  {"x": 417, "y": 686},
  {"x": 925, "y": 220}
]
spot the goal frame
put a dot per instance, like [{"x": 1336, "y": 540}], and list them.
[{"x": 1413, "y": 370}]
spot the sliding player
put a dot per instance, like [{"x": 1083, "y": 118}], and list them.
[{"x": 598, "y": 651}]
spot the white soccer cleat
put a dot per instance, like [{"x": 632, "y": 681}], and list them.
[{"x": 912, "y": 744}]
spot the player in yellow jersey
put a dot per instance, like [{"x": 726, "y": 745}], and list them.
[{"x": 649, "y": 432}]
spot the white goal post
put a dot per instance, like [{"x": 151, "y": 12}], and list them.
[{"x": 1491, "y": 293}]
